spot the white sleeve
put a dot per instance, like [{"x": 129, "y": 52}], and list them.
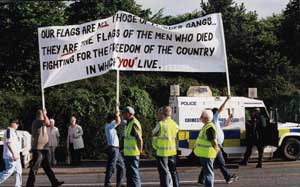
[
  {"x": 155, "y": 131},
  {"x": 7, "y": 136}
]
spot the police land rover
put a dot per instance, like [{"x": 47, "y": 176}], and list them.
[{"x": 284, "y": 137}]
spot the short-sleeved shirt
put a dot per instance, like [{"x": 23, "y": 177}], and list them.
[
  {"x": 111, "y": 134},
  {"x": 211, "y": 134},
  {"x": 220, "y": 133},
  {"x": 11, "y": 136},
  {"x": 39, "y": 135}
]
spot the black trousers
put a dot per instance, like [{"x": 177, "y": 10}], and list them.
[
  {"x": 40, "y": 158},
  {"x": 75, "y": 155},
  {"x": 260, "y": 149}
]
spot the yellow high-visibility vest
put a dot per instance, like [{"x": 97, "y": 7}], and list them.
[
  {"x": 130, "y": 143},
  {"x": 203, "y": 147},
  {"x": 166, "y": 141},
  {"x": 154, "y": 142}
]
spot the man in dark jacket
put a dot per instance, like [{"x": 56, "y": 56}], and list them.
[{"x": 254, "y": 136}]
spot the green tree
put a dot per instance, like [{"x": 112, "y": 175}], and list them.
[
  {"x": 84, "y": 11},
  {"x": 290, "y": 31},
  {"x": 289, "y": 34},
  {"x": 19, "y": 61}
]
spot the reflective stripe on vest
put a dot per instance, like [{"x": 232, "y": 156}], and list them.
[
  {"x": 130, "y": 143},
  {"x": 203, "y": 147},
  {"x": 166, "y": 141}
]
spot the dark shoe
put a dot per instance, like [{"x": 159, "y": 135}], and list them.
[
  {"x": 108, "y": 185},
  {"x": 259, "y": 165},
  {"x": 200, "y": 183},
  {"x": 233, "y": 177},
  {"x": 121, "y": 185},
  {"x": 58, "y": 183},
  {"x": 243, "y": 163}
]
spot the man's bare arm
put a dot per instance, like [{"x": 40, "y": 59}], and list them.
[
  {"x": 223, "y": 105},
  {"x": 215, "y": 144},
  {"x": 46, "y": 119}
]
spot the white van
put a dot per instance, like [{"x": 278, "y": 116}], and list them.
[
  {"x": 25, "y": 154},
  {"x": 187, "y": 111}
]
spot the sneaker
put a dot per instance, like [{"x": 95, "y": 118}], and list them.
[
  {"x": 233, "y": 177},
  {"x": 229, "y": 181},
  {"x": 58, "y": 183}
]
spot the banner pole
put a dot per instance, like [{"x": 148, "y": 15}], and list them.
[
  {"x": 225, "y": 55},
  {"x": 118, "y": 90},
  {"x": 43, "y": 98}
]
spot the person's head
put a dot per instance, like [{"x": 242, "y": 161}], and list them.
[
  {"x": 110, "y": 117},
  {"x": 73, "y": 120},
  {"x": 206, "y": 116},
  {"x": 128, "y": 113},
  {"x": 160, "y": 114},
  {"x": 13, "y": 123},
  {"x": 40, "y": 114},
  {"x": 214, "y": 110},
  {"x": 167, "y": 110},
  {"x": 256, "y": 112},
  {"x": 52, "y": 122}
]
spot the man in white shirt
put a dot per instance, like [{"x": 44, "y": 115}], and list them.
[
  {"x": 11, "y": 155},
  {"x": 53, "y": 135},
  {"x": 115, "y": 158}
]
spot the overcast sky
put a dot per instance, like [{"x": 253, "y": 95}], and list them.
[{"x": 263, "y": 8}]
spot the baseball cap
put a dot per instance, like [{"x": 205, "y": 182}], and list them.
[{"x": 128, "y": 109}]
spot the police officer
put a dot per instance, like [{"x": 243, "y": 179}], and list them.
[
  {"x": 133, "y": 147},
  {"x": 165, "y": 144},
  {"x": 206, "y": 147},
  {"x": 254, "y": 136},
  {"x": 11, "y": 155}
]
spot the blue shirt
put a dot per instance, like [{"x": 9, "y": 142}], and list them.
[
  {"x": 111, "y": 134},
  {"x": 220, "y": 133}
]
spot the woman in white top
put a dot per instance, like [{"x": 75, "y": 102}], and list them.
[{"x": 74, "y": 141}]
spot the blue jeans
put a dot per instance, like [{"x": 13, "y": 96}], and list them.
[
  {"x": 167, "y": 171},
  {"x": 220, "y": 162},
  {"x": 208, "y": 171},
  {"x": 114, "y": 160},
  {"x": 12, "y": 167},
  {"x": 132, "y": 171}
]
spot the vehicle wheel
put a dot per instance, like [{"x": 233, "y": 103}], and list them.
[{"x": 291, "y": 149}]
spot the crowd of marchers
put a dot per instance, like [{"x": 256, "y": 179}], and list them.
[{"x": 124, "y": 153}]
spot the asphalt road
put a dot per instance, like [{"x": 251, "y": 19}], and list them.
[{"x": 273, "y": 174}]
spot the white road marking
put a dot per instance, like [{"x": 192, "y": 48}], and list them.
[{"x": 143, "y": 183}]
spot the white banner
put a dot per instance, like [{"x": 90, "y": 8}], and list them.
[{"x": 127, "y": 42}]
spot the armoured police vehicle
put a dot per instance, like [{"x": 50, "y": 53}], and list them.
[{"x": 284, "y": 137}]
